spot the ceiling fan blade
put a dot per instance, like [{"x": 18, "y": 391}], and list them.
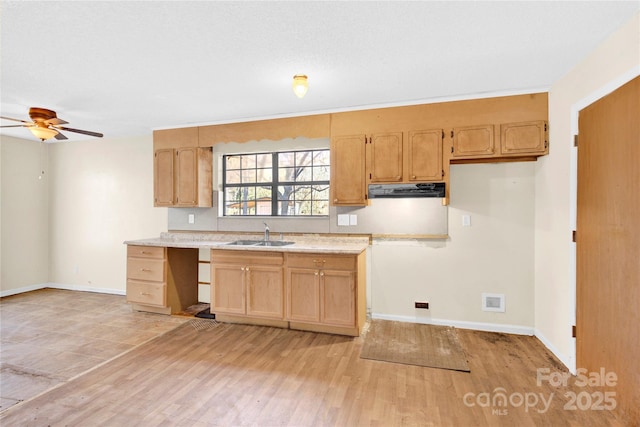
[
  {"x": 15, "y": 126},
  {"x": 56, "y": 121},
  {"x": 15, "y": 120},
  {"x": 60, "y": 137},
  {"x": 85, "y": 132}
]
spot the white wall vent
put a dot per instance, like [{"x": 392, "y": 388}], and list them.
[{"x": 493, "y": 302}]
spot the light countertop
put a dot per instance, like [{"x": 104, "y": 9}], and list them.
[{"x": 302, "y": 243}]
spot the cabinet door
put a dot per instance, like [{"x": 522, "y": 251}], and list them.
[
  {"x": 265, "y": 293},
  {"x": 338, "y": 298},
  {"x": 473, "y": 141},
  {"x": 425, "y": 155},
  {"x": 227, "y": 288},
  {"x": 163, "y": 177},
  {"x": 524, "y": 138},
  {"x": 348, "y": 179},
  {"x": 385, "y": 157},
  {"x": 303, "y": 295},
  {"x": 187, "y": 177}
]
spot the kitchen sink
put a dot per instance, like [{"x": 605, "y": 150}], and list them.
[{"x": 260, "y": 243}]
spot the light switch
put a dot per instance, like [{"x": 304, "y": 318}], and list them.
[
  {"x": 466, "y": 220},
  {"x": 353, "y": 219},
  {"x": 343, "y": 220},
  {"x": 192, "y": 219}
]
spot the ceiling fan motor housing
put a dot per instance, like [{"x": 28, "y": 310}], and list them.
[{"x": 41, "y": 114}]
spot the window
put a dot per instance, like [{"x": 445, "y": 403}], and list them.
[{"x": 276, "y": 184}]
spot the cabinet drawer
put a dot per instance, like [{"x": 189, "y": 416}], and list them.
[
  {"x": 145, "y": 251},
  {"x": 146, "y": 293},
  {"x": 221, "y": 256},
  {"x": 326, "y": 261},
  {"x": 146, "y": 269}
]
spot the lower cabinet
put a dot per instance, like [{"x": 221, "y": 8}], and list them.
[
  {"x": 316, "y": 292},
  {"x": 247, "y": 283},
  {"x": 325, "y": 292},
  {"x": 161, "y": 280}
]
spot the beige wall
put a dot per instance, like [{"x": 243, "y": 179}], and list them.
[
  {"x": 24, "y": 220},
  {"x": 614, "y": 62},
  {"x": 101, "y": 195},
  {"x": 493, "y": 255}
]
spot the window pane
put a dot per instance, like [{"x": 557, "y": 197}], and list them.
[
  {"x": 248, "y": 161},
  {"x": 286, "y": 174},
  {"x": 320, "y": 207},
  {"x": 249, "y": 176},
  {"x": 320, "y": 192},
  {"x": 321, "y": 173},
  {"x": 285, "y": 159},
  {"x": 233, "y": 162},
  {"x": 233, "y": 177},
  {"x": 303, "y": 174},
  {"x": 303, "y": 158},
  {"x": 264, "y": 160},
  {"x": 321, "y": 158},
  {"x": 265, "y": 175}
]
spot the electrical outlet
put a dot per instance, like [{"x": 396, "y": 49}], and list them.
[{"x": 422, "y": 304}]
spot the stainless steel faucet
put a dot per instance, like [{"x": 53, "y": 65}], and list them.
[{"x": 266, "y": 232}]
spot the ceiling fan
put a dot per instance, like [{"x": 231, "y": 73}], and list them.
[{"x": 45, "y": 124}]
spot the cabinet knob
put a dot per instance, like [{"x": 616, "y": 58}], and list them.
[
  {"x": 315, "y": 274},
  {"x": 247, "y": 269},
  {"x": 335, "y": 200},
  {"x": 321, "y": 273},
  {"x": 241, "y": 268},
  {"x": 413, "y": 177}
]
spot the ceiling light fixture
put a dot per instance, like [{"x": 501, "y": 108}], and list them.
[
  {"x": 300, "y": 85},
  {"x": 43, "y": 133}
]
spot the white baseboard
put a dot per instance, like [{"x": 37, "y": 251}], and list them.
[
  {"x": 23, "y": 289},
  {"x": 51, "y": 285},
  {"x": 568, "y": 361},
  {"x": 478, "y": 326}
]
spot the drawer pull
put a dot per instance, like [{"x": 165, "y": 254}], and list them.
[
  {"x": 145, "y": 293},
  {"x": 145, "y": 269},
  {"x": 145, "y": 253}
]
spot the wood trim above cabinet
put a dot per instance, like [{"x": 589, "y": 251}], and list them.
[
  {"x": 175, "y": 138},
  {"x": 315, "y": 126}
]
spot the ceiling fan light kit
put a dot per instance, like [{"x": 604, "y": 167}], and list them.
[
  {"x": 43, "y": 133},
  {"x": 45, "y": 125},
  {"x": 300, "y": 85}
]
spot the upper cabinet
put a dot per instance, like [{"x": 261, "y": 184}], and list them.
[
  {"x": 524, "y": 138},
  {"x": 348, "y": 178},
  {"x": 515, "y": 141},
  {"x": 416, "y": 158},
  {"x": 424, "y": 156},
  {"x": 384, "y": 157},
  {"x": 473, "y": 141},
  {"x": 182, "y": 172}
]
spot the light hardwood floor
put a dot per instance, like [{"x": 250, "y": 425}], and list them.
[
  {"x": 204, "y": 374},
  {"x": 49, "y": 336}
]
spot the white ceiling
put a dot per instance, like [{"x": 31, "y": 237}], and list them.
[{"x": 124, "y": 68}]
